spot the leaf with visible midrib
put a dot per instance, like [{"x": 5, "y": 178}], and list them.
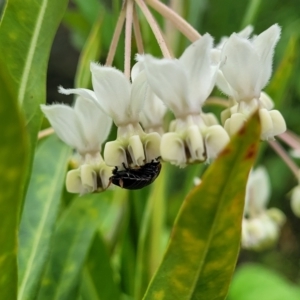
[
  {"x": 205, "y": 240},
  {"x": 27, "y": 30},
  {"x": 13, "y": 164},
  {"x": 40, "y": 212}
]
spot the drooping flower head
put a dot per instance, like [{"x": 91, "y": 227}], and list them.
[
  {"x": 261, "y": 226},
  {"x": 183, "y": 85},
  {"x": 123, "y": 102},
  {"x": 84, "y": 127},
  {"x": 246, "y": 67}
]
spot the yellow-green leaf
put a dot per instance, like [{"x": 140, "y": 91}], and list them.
[
  {"x": 205, "y": 240},
  {"x": 40, "y": 213},
  {"x": 26, "y": 33},
  {"x": 13, "y": 166},
  {"x": 70, "y": 244}
]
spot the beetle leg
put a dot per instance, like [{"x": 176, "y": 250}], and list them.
[{"x": 121, "y": 183}]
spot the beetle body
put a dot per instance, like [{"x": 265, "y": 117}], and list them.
[{"x": 136, "y": 178}]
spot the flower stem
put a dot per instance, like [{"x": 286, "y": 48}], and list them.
[
  {"x": 282, "y": 153},
  {"x": 128, "y": 35},
  {"x": 116, "y": 37},
  {"x": 217, "y": 101},
  {"x": 137, "y": 32},
  {"x": 290, "y": 139},
  {"x": 45, "y": 132},
  {"x": 182, "y": 25},
  {"x": 154, "y": 26}
]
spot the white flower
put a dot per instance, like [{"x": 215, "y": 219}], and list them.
[
  {"x": 184, "y": 85},
  {"x": 123, "y": 102},
  {"x": 84, "y": 127},
  {"x": 247, "y": 64},
  {"x": 261, "y": 226},
  {"x": 153, "y": 111},
  {"x": 246, "y": 67}
]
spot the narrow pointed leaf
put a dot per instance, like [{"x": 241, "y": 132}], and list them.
[
  {"x": 13, "y": 168},
  {"x": 150, "y": 244},
  {"x": 205, "y": 241},
  {"x": 70, "y": 245},
  {"x": 40, "y": 212},
  {"x": 26, "y": 33},
  {"x": 98, "y": 281}
]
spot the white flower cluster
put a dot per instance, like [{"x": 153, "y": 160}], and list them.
[
  {"x": 238, "y": 66},
  {"x": 261, "y": 226}
]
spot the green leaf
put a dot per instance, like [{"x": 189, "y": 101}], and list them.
[
  {"x": 26, "y": 33},
  {"x": 205, "y": 240},
  {"x": 90, "y": 52},
  {"x": 40, "y": 212},
  {"x": 98, "y": 281},
  {"x": 150, "y": 244},
  {"x": 70, "y": 245},
  {"x": 13, "y": 166},
  {"x": 281, "y": 80},
  {"x": 252, "y": 282}
]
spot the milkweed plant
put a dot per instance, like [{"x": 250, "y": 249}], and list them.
[{"x": 153, "y": 183}]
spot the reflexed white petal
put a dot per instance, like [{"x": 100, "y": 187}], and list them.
[
  {"x": 85, "y": 93},
  {"x": 295, "y": 201},
  {"x": 245, "y": 33},
  {"x": 257, "y": 191},
  {"x": 194, "y": 141},
  {"x": 264, "y": 45},
  {"x": 139, "y": 92},
  {"x": 242, "y": 68},
  {"x": 153, "y": 111},
  {"x": 279, "y": 125},
  {"x": 224, "y": 86},
  {"x": 152, "y": 146},
  {"x": 216, "y": 138},
  {"x": 65, "y": 123},
  {"x": 73, "y": 182},
  {"x": 112, "y": 89},
  {"x": 168, "y": 80},
  {"x": 172, "y": 149},
  {"x": 136, "y": 150},
  {"x": 196, "y": 60},
  {"x": 95, "y": 124},
  {"x": 114, "y": 154},
  {"x": 137, "y": 69}
]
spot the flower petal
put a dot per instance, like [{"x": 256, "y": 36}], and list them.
[
  {"x": 168, "y": 80},
  {"x": 241, "y": 68},
  {"x": 196, "y": 60},
  {"x": 85, "y": 93},
  {"x": 95, "y": 124},
  {"x": 139, "y": 90},
  {"x": 112, "y": 89},
  {"x": 264, "y": 45},
  {"x": 66, "y": 124}
]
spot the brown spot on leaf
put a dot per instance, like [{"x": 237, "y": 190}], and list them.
[
  {"x": 225, "y": 152},
  {"x": 251, "y": 152}
]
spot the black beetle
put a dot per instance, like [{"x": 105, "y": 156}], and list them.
[{"x": 135, "y": 178}]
